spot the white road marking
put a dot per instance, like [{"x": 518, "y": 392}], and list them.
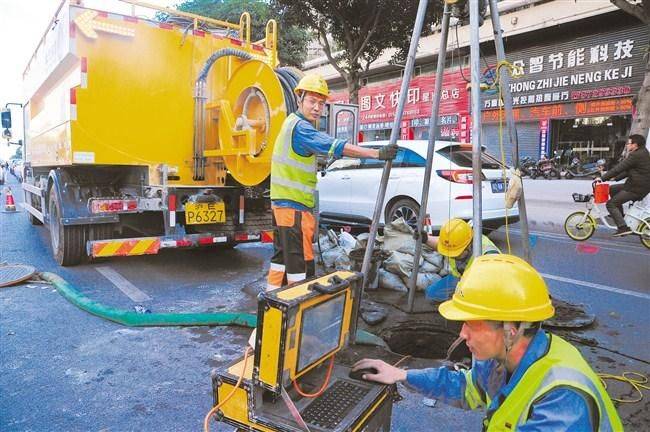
[
  {"x": 596, "y": 286},
  {"x": 123, "y": 284},
  {"x": 603, "y": 244}
]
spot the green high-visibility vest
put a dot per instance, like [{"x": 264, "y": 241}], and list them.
[
  {"x": 293, "y": 177},
  {"x": 561, "y": 366},
  {"x": 487, "y": 248}
]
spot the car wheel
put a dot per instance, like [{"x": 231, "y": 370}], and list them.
[{"x": 403, "y": 208}]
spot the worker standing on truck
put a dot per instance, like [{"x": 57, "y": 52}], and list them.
[
  {"x": 454, "y": 243},
  {"x": 293, "y": 181},
  {"x": 525, "y": 379}
]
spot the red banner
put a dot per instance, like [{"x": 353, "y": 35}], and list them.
[
  {"x": 565, "y": 110},
  {"x": 377, "y": 103}
]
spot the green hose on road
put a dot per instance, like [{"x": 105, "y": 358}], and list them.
[{"x": 134, "y": 319}]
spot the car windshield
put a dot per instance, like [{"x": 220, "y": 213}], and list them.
[{"x": 462, "y": 156}]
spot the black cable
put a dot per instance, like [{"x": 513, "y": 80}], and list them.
[{"x": 460, "y": 61}]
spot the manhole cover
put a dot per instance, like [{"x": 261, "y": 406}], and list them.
[
  {"x": 14, "y": 273},
  {"x": 424, "y": 341}
]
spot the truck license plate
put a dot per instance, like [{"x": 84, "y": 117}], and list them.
[{"x": 205, "y": 213}]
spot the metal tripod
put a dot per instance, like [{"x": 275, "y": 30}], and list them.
[{"x": 433, "y": 132}]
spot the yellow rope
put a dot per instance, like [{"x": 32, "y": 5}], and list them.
[
  {"x": 635, "y": 379},
  {"x": 511, "y": 70}
]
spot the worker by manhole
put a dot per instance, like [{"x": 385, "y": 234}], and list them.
[{"x": 424, "y": 340}]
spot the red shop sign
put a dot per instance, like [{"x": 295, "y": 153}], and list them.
[{"x": 377, "y": 103}]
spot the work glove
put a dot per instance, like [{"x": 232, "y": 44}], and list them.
[{"x": 387, "y": 152}]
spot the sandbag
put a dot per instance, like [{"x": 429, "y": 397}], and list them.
[
  {"x": 325, "y": 243},
  {"x": 423, "y": 280},
  {"x": 515, "y": 188},
  {"x": 390, "y": 281},
  {"x": 397, "y": 234},
  {"x": 433, "y": 257},
  {"x": 347, "y": 241},
  {"x": 330, "y": 256},
  {"x": 400, "y": 263},
  {"x": 427, "y": 267},
  {"x": 343, "y": 262}
]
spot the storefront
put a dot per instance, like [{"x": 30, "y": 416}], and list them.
[
  {"x": 378, "y": 103},
  {"x": 574, "y": 96}
]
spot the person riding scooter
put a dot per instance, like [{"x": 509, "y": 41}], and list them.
[
  {"x": 636, "y": 168},
  {"x": 455, "y": 243}
]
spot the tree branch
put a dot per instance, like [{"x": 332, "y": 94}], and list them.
[
  {"x": 369, "y": 33},
  {"x": 328, "y": 52},
  {"x": 633, "y": 9}
]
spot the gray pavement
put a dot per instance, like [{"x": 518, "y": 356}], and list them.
[{"x": 62, "y": 369}]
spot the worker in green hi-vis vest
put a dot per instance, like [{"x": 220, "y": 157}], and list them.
[
  {"x": 293, "y": 181},
  {"x": 455, "y": 243},
  {"x": 523, "y": 377}
]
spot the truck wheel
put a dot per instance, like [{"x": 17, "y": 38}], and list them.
[{"x": 68, "y": 242}]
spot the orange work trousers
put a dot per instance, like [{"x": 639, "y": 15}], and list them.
[{"x": 293, "y": 258}]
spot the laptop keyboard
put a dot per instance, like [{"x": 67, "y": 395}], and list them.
[{"x": 330, "y": 408}]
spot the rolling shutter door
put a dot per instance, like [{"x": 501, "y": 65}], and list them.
[{"x": 528, "y": 134}]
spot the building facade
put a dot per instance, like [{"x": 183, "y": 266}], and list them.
[{"x": 576, "y": 74}]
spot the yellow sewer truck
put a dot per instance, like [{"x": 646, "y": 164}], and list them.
[{"x": 142, "y": 135}]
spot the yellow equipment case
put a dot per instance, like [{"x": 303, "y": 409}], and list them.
[
  {"x": 300, "y": 329},
  {"x": 142, "y": 135}
]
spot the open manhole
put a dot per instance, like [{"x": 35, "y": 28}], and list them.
[{"x": 424, "y": 340}]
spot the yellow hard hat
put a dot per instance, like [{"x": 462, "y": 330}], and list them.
[
  {"x": 312, "y": 83},
  {"x": 499, "y": 287},
  {"x": 455, "y": 236}
]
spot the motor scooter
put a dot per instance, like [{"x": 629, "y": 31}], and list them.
[
  {"x": 546, "y": 167},
  {"x": 577, "y": 169},
  {"x": 527, "y": 166}
]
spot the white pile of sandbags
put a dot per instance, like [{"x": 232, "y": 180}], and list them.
[{"x": 398, "y": 250}]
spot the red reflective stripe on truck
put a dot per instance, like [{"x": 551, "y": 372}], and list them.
[
  {"x": 131, "y": 19},
  {"x": 200, "y": 33},
  {"x": 73, "y": 96},
  {"x": 171, "y": 202},
  {"x": 84, "y": 64},
  {"x": 166, "y": 26}
]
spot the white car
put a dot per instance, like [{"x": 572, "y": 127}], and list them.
[{"x": 348, "y": 188}]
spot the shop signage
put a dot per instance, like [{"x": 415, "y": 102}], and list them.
[
  {"x": 543, "y": 135},
  {"x": 378, "y": 103},
  {"x": 563, "y": 110},
  {"x": 592, "y": 67}
]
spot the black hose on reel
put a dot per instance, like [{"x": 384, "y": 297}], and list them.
[{"x": 289, "y": 79}]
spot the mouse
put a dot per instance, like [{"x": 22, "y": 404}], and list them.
[{"x": 359, "y": 373}]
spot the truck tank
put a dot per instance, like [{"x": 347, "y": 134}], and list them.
[{"x": 142, "y": 135}]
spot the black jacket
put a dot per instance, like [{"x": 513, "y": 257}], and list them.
[{"x": 636, "y": 167}]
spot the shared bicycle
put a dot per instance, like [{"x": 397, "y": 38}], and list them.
[{"x": 581, "y": 225}]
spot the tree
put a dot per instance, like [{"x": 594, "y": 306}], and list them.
[
  {"x": 362, "y": 29},
  {"x": 641, "y": 121},
  {"x": 292, "y": 39}
]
